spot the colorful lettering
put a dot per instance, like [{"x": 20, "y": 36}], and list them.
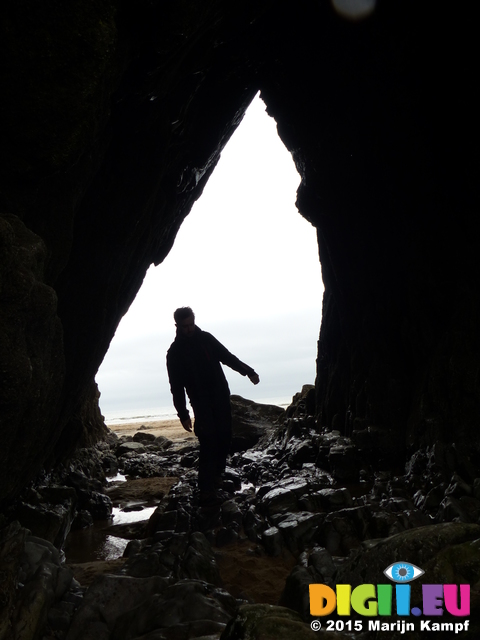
[
  {"x": 343, "y": 599},
  {"x": 363, "y": 601},
  {"x": 322, "y": 600},
  {"x": 372, "y": 600},
  {"x": 432, "y": 599},
  {"x": 451, "y": 601},
  {"x": 402, "y": 595},
  {"x": 384, "y": 596}
]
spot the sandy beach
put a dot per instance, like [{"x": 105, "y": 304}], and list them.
[{"x": 171, "y": 429}]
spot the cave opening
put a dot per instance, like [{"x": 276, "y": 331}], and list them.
[{"x": 247, "y": 263}]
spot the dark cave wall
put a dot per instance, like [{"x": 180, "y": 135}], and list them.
[
  {"x": 379, "y": 116},
  {"x": 114, "y": 117}
]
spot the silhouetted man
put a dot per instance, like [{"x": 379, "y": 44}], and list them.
[{"x": 193, "y": 364}]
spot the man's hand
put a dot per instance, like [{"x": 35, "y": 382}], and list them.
[
  {"x": 254, "y": 378},
  {"x": 187, "y": 424}
]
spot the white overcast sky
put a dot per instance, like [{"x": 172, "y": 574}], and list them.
[{"x": 247, "y": 263}]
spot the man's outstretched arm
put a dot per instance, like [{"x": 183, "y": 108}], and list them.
[{"x": 233, "y": 362}]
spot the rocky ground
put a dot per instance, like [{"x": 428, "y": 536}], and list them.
[{"x": 300, "y": 506}]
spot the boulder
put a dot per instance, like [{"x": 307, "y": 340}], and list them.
[
  {"x": 140, "y": 490},
  {"x": 250, "y": 421},
  {"x": 300, "y": 530},
  {"x": 97, "y": 504},
  {"x": 109, "y": 597},
  {"x": 279, "y": 500},
  {"x": 272, "y": 541},
  {"x": 418, "y": 546},
  {"x": 12, "y": 544},
  {"x": 267, "y": 622},
  {"x": 130, "y": 447},
  {"x": 189, "y": 605},
  {"x": 447, "y": 553},
  {"x": 44, "y": 583},
  {"x": 51, "y": 515},
  {"x": 296, "y": 593},
  {"x": 144, "y": 437}
]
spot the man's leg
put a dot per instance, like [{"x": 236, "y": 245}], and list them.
[
  {"x": 205, "y": 432},
  {"x": 223, "y": 428}
]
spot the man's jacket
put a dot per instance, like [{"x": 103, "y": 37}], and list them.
[{"x": 193, "y": 365}]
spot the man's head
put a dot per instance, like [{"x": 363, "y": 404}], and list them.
[{"x": 185, "y": 321}]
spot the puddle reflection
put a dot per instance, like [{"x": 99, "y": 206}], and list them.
[{"x": 94, "y": 543}]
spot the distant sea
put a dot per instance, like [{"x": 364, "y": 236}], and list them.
[{"x": 167, "y": 413}]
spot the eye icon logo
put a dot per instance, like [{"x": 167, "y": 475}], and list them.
[{"x": 403, "y": 572}]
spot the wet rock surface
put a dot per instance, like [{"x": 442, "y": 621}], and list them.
[
  {"x": 267, "y": 621},
  {"x": 323, "y": 518},
  {"x": 39, "y": 593}
]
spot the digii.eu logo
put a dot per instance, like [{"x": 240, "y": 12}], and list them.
[{"x": 382, "y": 600}]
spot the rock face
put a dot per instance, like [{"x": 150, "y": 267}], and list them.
[
  {"x": 266, "y": 621},
  {"x": 37, "y": 588},
  {"x": 113, "y": 117},
  {"x": 251, "y": 421}
]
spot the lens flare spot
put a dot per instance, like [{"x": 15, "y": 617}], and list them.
[{"x": 354, "y": 9}]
